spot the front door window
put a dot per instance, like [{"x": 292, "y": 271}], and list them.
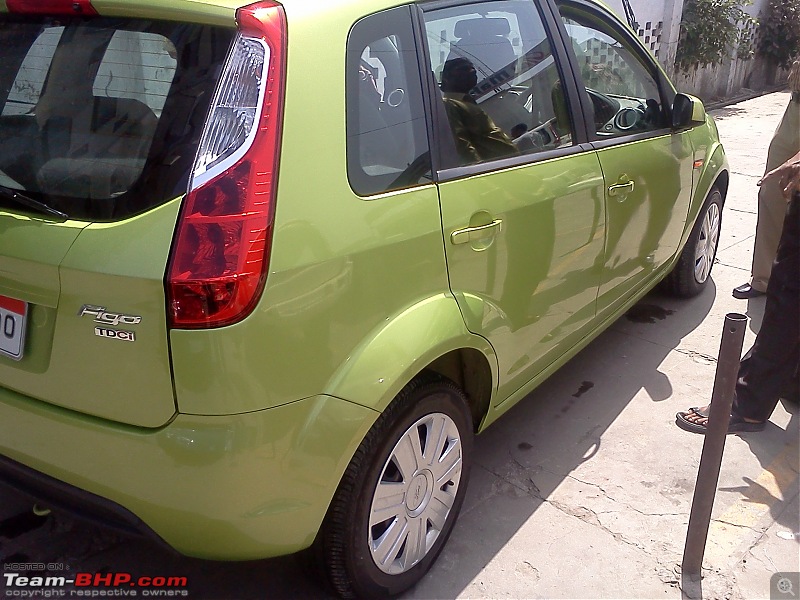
[{"x": 624, "y": 94}]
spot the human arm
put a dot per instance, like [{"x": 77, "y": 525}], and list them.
[{"x": 787, "y": 175}]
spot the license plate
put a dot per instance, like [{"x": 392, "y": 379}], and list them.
[{"x": 13, "y": 315}]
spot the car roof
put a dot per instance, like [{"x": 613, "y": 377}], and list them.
[{"x": 221, "y": 12}]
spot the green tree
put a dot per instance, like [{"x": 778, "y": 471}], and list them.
[
  {"x": 779, "y": 38},
  {"x": 710, "y": 29}
]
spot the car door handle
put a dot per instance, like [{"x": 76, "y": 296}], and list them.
[
  {"x": 462, "y": 236},
  {"x": 621, "y": 189}
]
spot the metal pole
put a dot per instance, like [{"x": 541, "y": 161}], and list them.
[{"x": 730, "y": 351}]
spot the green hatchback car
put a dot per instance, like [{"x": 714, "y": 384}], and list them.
[{"x": 266, "y": 268}]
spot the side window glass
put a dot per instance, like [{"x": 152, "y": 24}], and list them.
[
  {"x": 498, "y": 79},
  {"x": 387, "y": 139},
  {"x": 624, "y": 93}
]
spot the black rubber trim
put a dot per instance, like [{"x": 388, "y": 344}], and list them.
[
  {"x": 600, "y": 143},
  {"x": 512, "y": 161},
  {"x": 60, "y": 496}
]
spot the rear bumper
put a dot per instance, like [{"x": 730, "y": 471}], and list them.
[
  {"x": 53, "y": 494},
  {"x": 225, "y": 487}
]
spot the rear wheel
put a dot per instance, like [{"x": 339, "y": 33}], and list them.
[
  {"x": 693, "y": 269},
  {"x": 400, "y": 495}
]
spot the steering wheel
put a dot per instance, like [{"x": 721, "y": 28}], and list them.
[
  {"x": 605, "y": 108},
  {"x": 629, "y": 117}
]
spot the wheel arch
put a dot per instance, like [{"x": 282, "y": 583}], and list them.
[
  {"x": 722, "y": 182},
  {"x": 428, "y": 337},
  {"x": 471, "y": 371},
  {"x": 714, "y": 174}
]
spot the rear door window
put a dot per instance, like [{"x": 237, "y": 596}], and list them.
[
  {"x": 498, "y": 80},
  {"x": 100, "y": 118}
]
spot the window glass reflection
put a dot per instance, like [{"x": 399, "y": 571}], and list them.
[{"x": 498, "y": 80}]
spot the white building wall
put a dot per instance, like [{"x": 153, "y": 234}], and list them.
[
  {"x": 658, "y": 25},
  {"x": 652, "y": 22}
]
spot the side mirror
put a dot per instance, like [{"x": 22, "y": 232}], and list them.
[{"x": 687, "y": 111}]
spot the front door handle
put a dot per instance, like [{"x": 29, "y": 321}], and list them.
[
  {"x": 621, "y": 189},
  {"x": 462, "y": 236}
]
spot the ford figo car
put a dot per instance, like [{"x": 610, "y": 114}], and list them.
[{"x": 266, "y": 268}]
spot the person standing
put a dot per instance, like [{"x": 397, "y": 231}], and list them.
[
  {"x": 771, "y": 204},
  {"x": 769, "y": 370}
]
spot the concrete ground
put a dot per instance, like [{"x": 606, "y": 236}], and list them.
[{"x": 584, "y": 489}]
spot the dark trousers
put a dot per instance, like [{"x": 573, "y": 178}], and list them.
[{"x": 770, "y": 367}]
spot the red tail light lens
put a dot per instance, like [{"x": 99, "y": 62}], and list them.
[
  {"x": 220, "y": 256},
  {"x": 51, "y": 7}
]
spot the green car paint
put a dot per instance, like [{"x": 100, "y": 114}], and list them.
[
  {"x": 405, "y": 345},
  {"x": 29, "y": 271},
  {"x": 645, "y": 223},
  {"x": 536, "y": 273},
  {"x": 30, "y": 268},
  {"x": 222, "y": 13},
  {"x": 270, "y": 469},
  {"x": 230, "y": 442},
  {"x": 329, "y": 291},
  {"x": 117, "y": 266}
]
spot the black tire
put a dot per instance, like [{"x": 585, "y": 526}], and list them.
[
  {"x": 347, "y": 541},
  {"x": 693, "y": 270}
]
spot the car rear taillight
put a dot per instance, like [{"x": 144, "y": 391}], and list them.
[
  {"x": 51, "y": 7},
  {"x": 218, "y": 265}
]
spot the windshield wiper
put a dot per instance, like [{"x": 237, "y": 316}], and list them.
[{"x": 27, "y": 201}]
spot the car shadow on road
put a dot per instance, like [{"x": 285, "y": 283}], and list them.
[{"x": 560, "y": 426}]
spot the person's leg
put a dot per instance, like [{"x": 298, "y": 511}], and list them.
[
  {"x": 771, "y": 211},
  {"x": 771, "y": 363},
  {"x": 771, "y": 204}
]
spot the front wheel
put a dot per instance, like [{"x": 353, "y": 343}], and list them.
[
  {"x": 400, "y": 495},
  {"x": 693, "y": 269}
]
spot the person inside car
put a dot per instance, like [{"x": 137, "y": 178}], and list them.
[{"x": 477, "y": 136}]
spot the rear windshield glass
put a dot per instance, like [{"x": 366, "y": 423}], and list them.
[{"x": 100, "y": 118}]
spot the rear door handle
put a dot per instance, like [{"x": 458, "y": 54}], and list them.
[
  {"x": 621, "y": 189},
  {"x": 462, "y": 236}
]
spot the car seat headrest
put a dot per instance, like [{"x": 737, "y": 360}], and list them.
[{"x": 484, "y": 27}]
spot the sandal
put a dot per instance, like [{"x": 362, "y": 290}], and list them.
[
  {"x": 736, "y": 424},
  {"x": 687, "y": 425}
]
